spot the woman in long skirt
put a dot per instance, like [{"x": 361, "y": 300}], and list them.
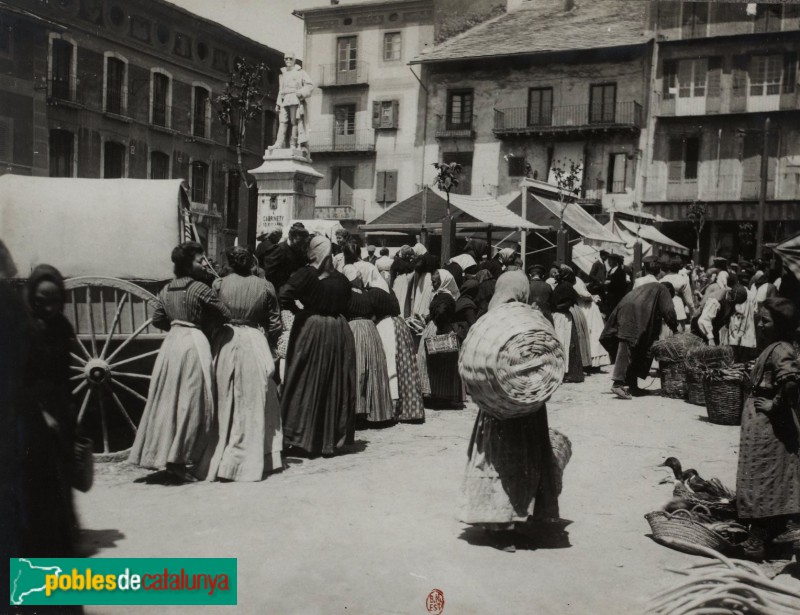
[
  {"x": 510, "y": 483},
  {"x": 179, "y": 416},
  {"x": 441, "y": 382},
  {"x": 768, "y": 477},
  {"x": 594, "y": 321},
  {"x": 319, "y": 392},
  {"x": 401, "y": 361},
  {"x": 250, "y": 437},
  {"x": 374, "y": 401},
  {"x": 565, "y": 298}
]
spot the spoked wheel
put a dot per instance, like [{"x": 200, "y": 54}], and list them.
[{"x": 112, "y": 359}]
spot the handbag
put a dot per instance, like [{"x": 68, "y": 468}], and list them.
[
  {"x": 440, "y": 344},
  {"x": 83, "y": 464}
]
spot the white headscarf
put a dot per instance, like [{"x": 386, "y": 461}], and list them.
[
  {"x": 448, "y": 284},
  {"x": 419, "y": 249}
]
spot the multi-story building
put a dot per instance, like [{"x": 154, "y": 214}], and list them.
[
  {"x": 363, "y": 130},
  {"x": 107, "y": 89},
  {"x": 721, "y": 70},
  {"x": 547, "y": 84}
]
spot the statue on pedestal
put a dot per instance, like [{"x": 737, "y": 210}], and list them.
[{"x": 295, "y": 87}]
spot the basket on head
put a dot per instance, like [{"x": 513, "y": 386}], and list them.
[
  {"x": 725, "y": 392},
  {"x": 684, "y": 526},
  {"x": 511, "y": 361}
]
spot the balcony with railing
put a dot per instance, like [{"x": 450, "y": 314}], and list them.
[
  {"x": 60, "y": 89},
  {"x": 329, "y": 207},
  {"x": 357, "y": 140},
  {"x": 521, "y": 121},
  {"x": 448, "y": 127},
  {"x": 344, "y": 74}
]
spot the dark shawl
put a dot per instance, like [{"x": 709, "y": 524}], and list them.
[
  {"x": 457, "y": 272},
  {"x": 564, "y": 297},
  {"x": 384, "y": 305},
  {"x": 541, "y": 295},
  {"x": 443, "y": 309}
]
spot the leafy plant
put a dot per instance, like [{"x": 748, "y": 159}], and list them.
[
  {"x": 446, "y": 180},
  {"x": 240, "y": 103},
  {"x": 567, "y": 175},
  {"x": 696, "y": 214}
]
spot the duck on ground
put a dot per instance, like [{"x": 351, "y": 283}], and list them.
[{"x": 711, "y": 489}]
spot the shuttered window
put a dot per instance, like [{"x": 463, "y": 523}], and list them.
[
  {"x": 386, "y": 188},
  {"x": 684, "y": 158},
  {"x": 385, "y": 114},
  {"x": 692, "y": 77},
  {"x": 61, "y": 153}
]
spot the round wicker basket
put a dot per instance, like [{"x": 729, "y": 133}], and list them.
[
  {"x": 673, "y": 379},
  {"x": 511, "y": 361},
  {"x": 683, "y": 525},
  {"x": 725, "y": 393}
]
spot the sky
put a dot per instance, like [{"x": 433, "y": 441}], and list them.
[{"x": 267, "y": 21}]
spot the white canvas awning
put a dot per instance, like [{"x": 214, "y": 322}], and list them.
[{"x": 653, "y": 235}]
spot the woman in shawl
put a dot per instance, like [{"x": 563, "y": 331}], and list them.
[
  {"x": 179, "y": 416},
  {"x": 46, "y": 423},
  {"x": 510, "y": 486},
  {"x": 319, "y": 392},
  {"x": 419, "y": 299},
  {"x": 441, "y": 382},
  {"x": 573, "y": 339},
  {"x": 401, "y": 361},
  {"x": 493, "y": 270},
  {"x": 466, "y": 308},
  {"x": 374, "y": 400},
  {"x": 467, "y": 263},
  {"x": 768, "y": 477},
  {"x": 250, "y": 438}
]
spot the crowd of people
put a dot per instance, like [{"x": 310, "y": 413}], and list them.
[{"x": 292, "y": 347}]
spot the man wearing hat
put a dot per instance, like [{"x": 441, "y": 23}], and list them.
[
  {"x": 616, "y": 284},
  {"x": 371, "y": 258},
  {"x": 597, "y": 274},
  {"x": 541, "y": 293}
]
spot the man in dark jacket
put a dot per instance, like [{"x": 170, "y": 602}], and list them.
[
  {"x": 632, "y": 328},
  {"x": 597, "y": 274},
  {"x": 541, "y": 293},
  {"x": 288, "y": 257},
  {"x": 269, "y": 244},
  {"x": 616, "y": 283}
]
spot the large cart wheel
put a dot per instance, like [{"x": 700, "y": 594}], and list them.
[{"x": 113, "y": 358}]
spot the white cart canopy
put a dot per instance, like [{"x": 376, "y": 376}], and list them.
[{"x": 121, "y": 228}]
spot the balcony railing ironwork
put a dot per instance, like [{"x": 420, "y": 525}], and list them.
[
  {"x": 358, "y": 140},
  {"x": 344, "y": 73},
  {"x": 446, "y": 128},
  {"x": 339, "y": 208},
  {"x": 524, "y": 120}
]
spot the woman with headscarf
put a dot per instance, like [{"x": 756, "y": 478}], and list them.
[
  {"x": 319, "y": 392},
  {"x": 594, "y": 323},
  {"x": 250, "y": 437},
  {"x": 477, "y": 249},
  {"x": 179, "y": 415},
  {"x": 370, "y": 276},
  {"x": 510, "y": 486},
  {"x": 419, "y": 299},
  {"x": 768, "y": 477},
  {"x": 466, "y": 308},
  {"x": 46, "y": 423},
  {"x": 441, "y": 382},
  {"x": 401, "y": 361},
  {"x": 565, "y": 298},
  {"x": 373, "y": 396},
  {"x": 469, "y": 266},
  {"x": 402, "y": 275},
  {"x": 488, "y": 272},
  {"x": 456, "y": 271}
]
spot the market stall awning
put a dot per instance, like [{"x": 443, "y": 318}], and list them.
[
  {"x": 470, "y": 212},
  {"x": 584, "y": 255},
  {"x": 789, "y": 251},
  {"x": 546, "y": 212},
  {"x": 654, "y": 236}
]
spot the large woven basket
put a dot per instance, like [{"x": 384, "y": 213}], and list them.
[
  {"x": 682, "y": 525},
  {"x": 725, "y": 392},
  {"x": 562, "y": 452},
  {"x": 695, "y": 392},
  {"x": 673, "y": 379},
  {"x": 723, "y": 509},
  {"x": 511, "y": 361}
]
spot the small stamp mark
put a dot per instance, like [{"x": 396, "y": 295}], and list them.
[{"x": 435, "y": 602}]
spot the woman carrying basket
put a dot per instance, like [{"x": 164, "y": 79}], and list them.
[
  {"x": 768, "y": 477},
  {"x": 510, "y": 486}
]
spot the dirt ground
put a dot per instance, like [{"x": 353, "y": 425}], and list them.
[{"x": 375, "y": 531}]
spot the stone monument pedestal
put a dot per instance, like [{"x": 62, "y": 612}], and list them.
[{"x": 287, "y": 188}]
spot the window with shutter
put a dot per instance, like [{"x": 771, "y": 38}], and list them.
[
  {"x": 459, "y": 109},
  {"x": 116, "y": 71},
  {"x": 391, "y": 47},
  {"x": 61, "y": 69},
  {"x": 390, "y": 191},
  {"x": 675, "y": 165},
  {"x": 380, "y": 187},
  {"x": 714, "y": 77},
  {"x": 617, "y": 172},
  {"x": 345, "y": 118},
  {"x": 6, "y": 139},
  {"x": 199, "y": 182}
]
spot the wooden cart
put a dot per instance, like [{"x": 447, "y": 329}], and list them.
[{"x": 111, "y": 239}]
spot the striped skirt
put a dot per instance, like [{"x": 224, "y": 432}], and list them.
[
  {"x": 373, "y": 397},
  {"x": 584, "y": 337}
]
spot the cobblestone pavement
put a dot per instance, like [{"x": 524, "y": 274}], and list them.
[{"x": 375, "y": 531}]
